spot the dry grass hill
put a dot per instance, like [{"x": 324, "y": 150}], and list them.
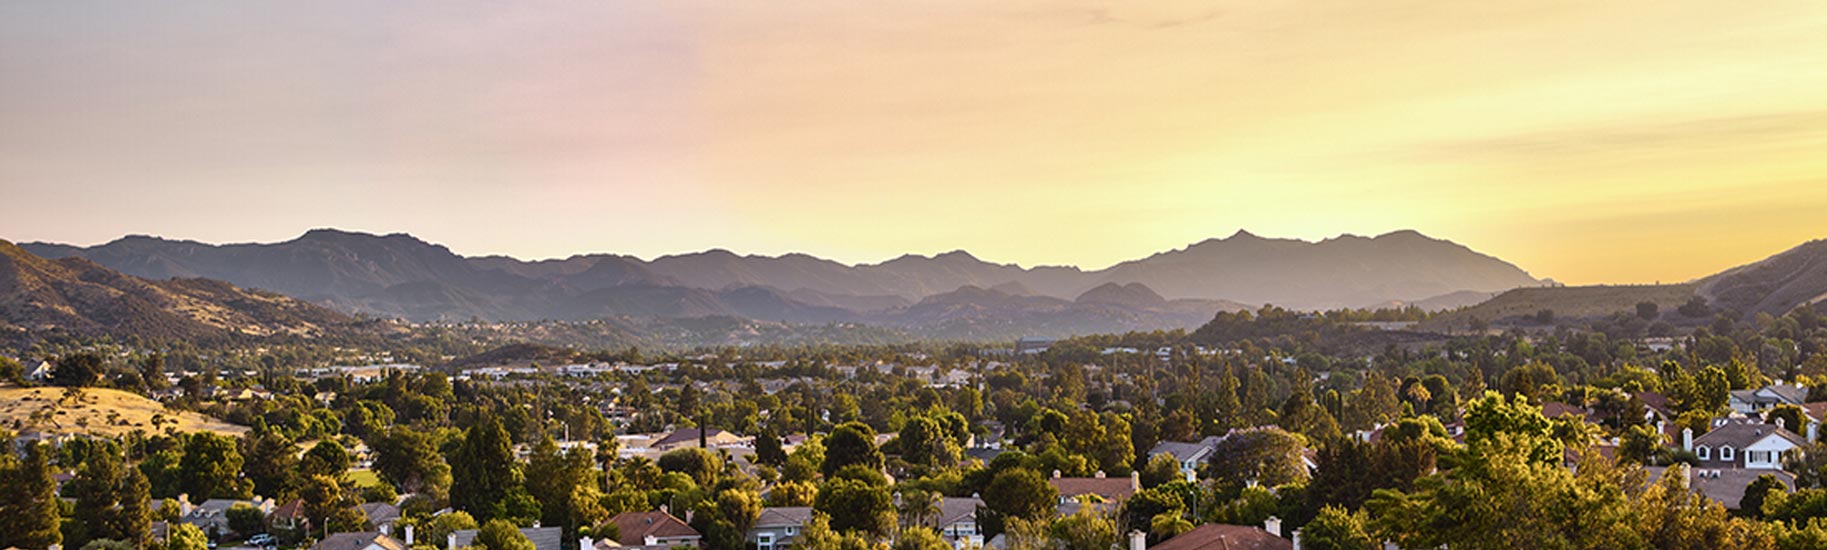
[
  {"x": 97, "y": 411},
  {"x": 1566, "y": 302}
]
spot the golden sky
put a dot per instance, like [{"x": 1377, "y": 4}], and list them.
[{"x": 1618, "y": 141}]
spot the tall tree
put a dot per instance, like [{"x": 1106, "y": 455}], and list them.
[
  {"x": 210, "y": 467},
  {"x": 30, "y": 511},
  {"x": 566, "y": 487},
  {"x": 327, "y": 458},
  {"x": 271, "y": 464},
  {"x": 483, "y": 470}
]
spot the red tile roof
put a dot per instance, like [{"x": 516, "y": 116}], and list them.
[
  {"x": 637, "y": 526},
  {"x": 1110, "y": 488},
  {"x": 1214, "y": 536}
]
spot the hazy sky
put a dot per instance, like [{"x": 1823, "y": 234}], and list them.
[{"x": 1615, "y": 141}]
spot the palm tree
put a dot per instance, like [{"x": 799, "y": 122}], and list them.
[{"x": 920, "y": 507}]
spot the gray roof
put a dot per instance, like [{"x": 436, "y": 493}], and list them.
[
  {"x": 954, "y": 510},
  {"x": 1738, "y": 435},
  {"x": 379, "y": 513},
  {"x": 1183, "y": 450},
  {"x": 783, "y": 516},
  {"x": 544, "y": 538},
  {"x": 1725, "y": 485}
]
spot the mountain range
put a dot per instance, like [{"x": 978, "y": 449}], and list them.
[{"x": 402, "y": 276}]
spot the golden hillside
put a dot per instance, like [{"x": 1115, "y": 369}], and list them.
[{"x": 99, "y": 412}]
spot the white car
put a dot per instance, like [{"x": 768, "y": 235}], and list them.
[{"x": 262, "y": 540}]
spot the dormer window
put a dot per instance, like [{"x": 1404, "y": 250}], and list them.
[
  {"x": 1725, "y": 453},
  {"x": 1702, "y": 452}
]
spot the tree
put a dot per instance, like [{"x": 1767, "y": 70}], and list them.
[
  {"x": 1085, "y": 530},
  {"x": 919, "y": 507},
  {"x": 441, "y": 526},
  {"x": 132, "y": 520},
  {"x": 210, "y": 467},
  {"x": 1648, "y": 311},
  {"x": 325, "y": 499},
  {"x": 792, "y": 493},
  {"x": 30, "y": 513},
  {"x": 701, "y": 464},
  {"x": 499, "y": 534},
  {"x": 923, "y": 442},
  {"x": 184, "y": 536},
  {"x": 1791, "y": 417},
  {"x": 922, "y": 538},
  {"x": 245, "y": 519},
  {"x": 271, "y": 464},
  {"x": 1268, "y": 456},
  {"x": 851, "y": 443},
  {"x": 96, "y": 489},
  {"x": 327, "y": 458},
  {"x": 409, "y": 460},
  {"x": 565, "y": 484},
  {"x": 1162, "y": 468},
  {"x": 1020, "y": 493},
  {"x": 855, "y": 505},
  {"x": 483, "y": 471},
  {"x": 768, "y": 449},
  {"x": 78, "y": 370},
  {"x": 1487, "y": 417},
  {"x": 1669, "y": 516},
  {"x": 1336, "y": 529},
  {"x": 1752, "y": 505}
]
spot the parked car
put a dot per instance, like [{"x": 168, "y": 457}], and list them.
[{"x": 262, "y": 540}]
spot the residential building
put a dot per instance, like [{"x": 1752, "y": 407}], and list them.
[
  {"x": 543, "y": 538},
  {"x": 776, "y": 527},
  {"x": 1752, "y": 401},
  {"x": 1190, "y": 455},
  {"x": 1215, "y": 536},
  {"x": 656, "y": 528},
  {"x": 370, "y": 540},
  {"x": 1724, "y": 485},
  {"x": 1742, "y": 444}
]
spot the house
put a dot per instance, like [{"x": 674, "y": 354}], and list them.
[
  {"x": 957, "y": 522},
  {"x": 212, "y": 515},
  {"x": 380, "y": 515},
  {"x": 777, "y": 527},
  {"x": 1741, "y": 444},
  {"x": 1215, "y": 536},
  {"x": 1751, "y": 401},
  {"x": 543, "y": 538},
  {"x": 1190, "y": 455},
  {"x": 288, "y": 516},
  {"x": 656, "y": 528},
  {"x": 1725, "y": 486},
  {"x": 688, "y": 437},
  {"x": 1099, "y": 489},
  {"x": 370, "y": 540},
  {"x": 42, "y": 372}
]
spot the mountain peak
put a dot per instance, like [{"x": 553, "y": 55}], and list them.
[{"x": 1243, "y": 234}]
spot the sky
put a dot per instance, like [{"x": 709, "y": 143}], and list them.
[{"x": 1626, "y": 141}]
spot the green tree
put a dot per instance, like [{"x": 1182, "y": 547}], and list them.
[
  {"x": 31, "y": 512},
  {"x": 1162, "y": 468},
  {"x": 1019, "y": 493},
  {"x": 499, "y": 534},
  {"x": 1336, "y": 529},
  {"x": 184, "y": 536},
  {"x": 483, "y": 471},
  {"x": 792, "y": 493},
  {"x": 1791, "y": 417},
  {"x": 566, "y": 486},
  {"x": 1669, "y": 516},
  {"x": 245, "y": 519},
  {"x": 923, "y": 538},
  {"x": 1085, "y": 530},
  {"x": 409, "y": 460},
  {"x": 210, "y": 467},
  {"x": 851, "y": 443},
  {"x": 1268, "y": 456},
  {"x": 326, "y": 458},
  {"x": 855, "y": 505},
  {"x": 768, "y": 449},
  {"x": 271, "y": 464},
  {"x": 440, "y": 527},
  {"x": 701, "y": 464},
  {"x": 78, "y": 370},
  {"x": 1752, "y": 505}
]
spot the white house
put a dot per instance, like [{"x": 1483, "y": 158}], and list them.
[{"x": 1748, "y": 445}]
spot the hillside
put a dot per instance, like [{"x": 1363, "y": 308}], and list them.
[
  {"x": 1773, "y": 285},
  {"x": 98, "y": 411},
  {"x": 1511, "y": 307},
  {"x": 78, "y": 297}
]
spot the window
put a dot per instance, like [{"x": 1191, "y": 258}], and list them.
[
  {"x": 1725, "y": 453},
  {"x": 792, "y": 530},
  {"x": 1701, "y": 452},
  {"x": 764, "y": 541}
]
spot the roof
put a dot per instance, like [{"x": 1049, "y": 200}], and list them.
[
  {"x": 1815, "y": 410},
  {"x": 1111, "y": 488},
  {"x": 1738, "y": 435},
  {"x": 1217, "y": 536},
  {"x": 1557, "y": 409},
  {"x": 291, "y": 510},
  {"x": 954, "y": 510},
  {"x": 358, "y": 541},
  {"x": 1725, "y": 485},
  {"x": 783, "y": 516},
  {"x": 1656, "y": 402},
  {"x": 637, "y": 526},
  {"x": 380, "y": 512},
  {"x": 686, "y": 435},
  {"x": 1184, "y": 450},
  {"x": 543, "y": 538}
]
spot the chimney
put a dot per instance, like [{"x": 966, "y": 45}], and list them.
[
  {"x": 1135, "y": 480},
  {"x": 586, "y": 544},
  {"x": 1813, "y": 428},
  {"x": 1138, "y": 540},
  {"x": 387, "y": 529},
  {"x": 1272, "y": 525},
  {"x": 1661, "y": 427},
  {"x": 1297, "y": 539},
  {"x": 1687, "y": 476},
  {"x": 1099, "y": 474},
  {"x": 1056, "y": 474},
  {"x": 408, "y": 534},
  {"x": 450, "y": 542},
  {"x": 184, "y": 504},
  {"x": 1687, "y": 439},
  {"x": 650, "y": 540},
  {"x": 663, "y": 510}
]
